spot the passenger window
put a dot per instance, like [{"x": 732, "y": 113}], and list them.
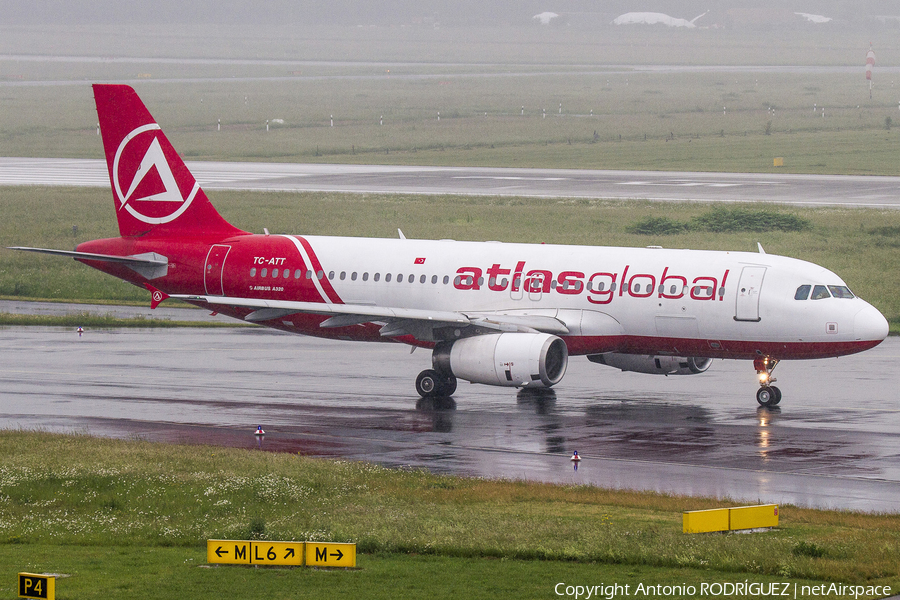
[
  {"x": 353, "y": 276},
  {"x": 446, "y": 279},
  {"x": 253, "y": 272},
  {"x": 297, "y": 274},
  {"x": 378, "y": 276},
  {"x": 820, "y": 292},
  {"x": 422, "y": 279},
  {"x": 412, "y": 278},
  {"x": 366, "y": 276},
  {"x": 309, "y": 274},
  {"x": 320, "y": 274},
  {"x": 840, "y": 291},
  {"x": 434, "y": 279},
  {"x": 274, "y": 273},
  {"x": 263, "y": 273},
  {"x": 331, "y": 275},
  {"x": 387, "y": 277},
  {"x": 802, "y": 292},
  {"x": 343, "y": 275}
]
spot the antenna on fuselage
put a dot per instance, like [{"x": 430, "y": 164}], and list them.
[
  {"x": 761, "y": 251},
  {"x": 402, "y": 237}
]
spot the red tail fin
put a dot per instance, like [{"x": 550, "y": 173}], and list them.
[{"x": 154, "y": 192}]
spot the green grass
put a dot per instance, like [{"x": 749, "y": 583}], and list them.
[
  {"x": 164, "y": 573},
  {"x": 861, "y": 245},
  {"x": 86, "y": 319},
  {"x": 479, "y": 81},
  {"x": 127, "y": 516},
  {"x": 655, "y": 122}
]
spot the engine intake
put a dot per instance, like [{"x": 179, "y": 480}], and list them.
[
  {"x": 654, "y": 365},
  {"x": 534, "y": 360}
]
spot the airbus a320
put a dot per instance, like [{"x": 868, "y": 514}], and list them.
[{"x": 499, "y": 314}]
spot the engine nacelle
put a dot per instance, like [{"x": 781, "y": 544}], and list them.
[
  {"x": 654, "y": 365},
  {"x": 505, "y": 359}
]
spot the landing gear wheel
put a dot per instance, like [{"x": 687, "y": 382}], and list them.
[
  {"x": 768, "y": 396},
  {"x": 448, "y": 386},
  {"x": 428, "y": 383}
]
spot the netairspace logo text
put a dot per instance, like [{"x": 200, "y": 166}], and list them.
[{"x": 738, "y": 589}]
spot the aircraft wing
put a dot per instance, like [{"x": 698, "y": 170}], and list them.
[{"x": 397, "y": 321}]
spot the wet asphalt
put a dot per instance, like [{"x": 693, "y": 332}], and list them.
[{"x": 834, "y": 442}]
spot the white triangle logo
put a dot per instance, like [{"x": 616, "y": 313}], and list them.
[{"x": 155, "y": 158}]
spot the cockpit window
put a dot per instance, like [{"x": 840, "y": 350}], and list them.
[
  {"x": 820, "y": 292},
  {"x": 840, "y": 291},
  {"x": 802, "y": 292}
]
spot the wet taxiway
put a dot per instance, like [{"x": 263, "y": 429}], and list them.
[
  {"x": 833, "y": 443},
  {"x": 858, "y": 191}
]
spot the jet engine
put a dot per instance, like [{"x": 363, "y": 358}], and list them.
[
  {"x": 654, "y": 365},
  {"x": 534, "y": 360}
]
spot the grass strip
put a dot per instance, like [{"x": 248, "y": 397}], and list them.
[
  {"x": 860, "y": 245},
  {"x": 68, "y": 490},
  {"x": 153, "y": 572},
  {"x": 97, "y": 321}
]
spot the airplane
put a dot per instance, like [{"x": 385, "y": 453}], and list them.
[{"x": 502, "y": 314}]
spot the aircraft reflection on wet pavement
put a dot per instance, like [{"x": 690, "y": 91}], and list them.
[{"x": 690, "y": 437}]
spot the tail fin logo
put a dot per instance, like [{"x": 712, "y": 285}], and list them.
[{"x": 153, "y": 195}]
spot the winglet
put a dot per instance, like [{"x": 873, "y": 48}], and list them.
[{"x": 156, "y": 296}]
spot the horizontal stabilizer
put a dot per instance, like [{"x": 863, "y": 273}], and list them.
[{"x": 151, "y": 265}]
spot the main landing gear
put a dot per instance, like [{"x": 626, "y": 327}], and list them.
[
  {"x": 767, "y": 395},
  {"x": 431, "y": 384}
]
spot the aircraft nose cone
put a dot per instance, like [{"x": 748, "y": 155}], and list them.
[{"x": 870, "y": 325}]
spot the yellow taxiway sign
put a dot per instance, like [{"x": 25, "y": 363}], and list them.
[
  {"x": 32, "y": 585},
  {"x": 330, "y": 554},
  {"x": 240, "y": 552}
]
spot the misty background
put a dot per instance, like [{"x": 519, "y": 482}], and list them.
[{"x": 573, "y": 13}]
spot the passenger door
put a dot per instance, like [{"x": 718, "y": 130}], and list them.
[{"x": 747, "y": 303}]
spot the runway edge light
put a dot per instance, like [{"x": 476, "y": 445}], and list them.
[{"x": 33, "y": 585}]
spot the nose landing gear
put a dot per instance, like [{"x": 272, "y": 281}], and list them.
[{"x": 767, "y": 395}]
